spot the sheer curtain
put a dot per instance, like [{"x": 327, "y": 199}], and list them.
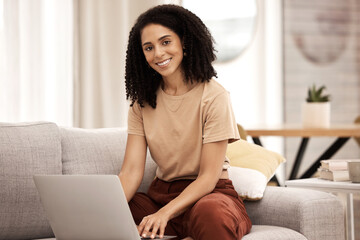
[
  {"x": 64, "y": 60},
  {"x": 36, "y": 66},
  {"x": 101, "y": 30}
]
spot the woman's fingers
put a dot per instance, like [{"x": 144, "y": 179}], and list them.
[
  {"x": 155, "y": 228},
  {"x": 162, "y": 230},
  {"x": 147, "y": 228},
  {"x": 142, "y": 226},
  {"x": 152, "y": 224}
]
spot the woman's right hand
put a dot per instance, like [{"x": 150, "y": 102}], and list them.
[{"x": 154, "y": 223}]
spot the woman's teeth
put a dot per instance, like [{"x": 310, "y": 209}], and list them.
[{"x": 164, "y": 62}]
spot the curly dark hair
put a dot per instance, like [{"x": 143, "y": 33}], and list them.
[{"x": 141, "y": 80}]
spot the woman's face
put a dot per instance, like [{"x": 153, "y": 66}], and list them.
[{"x": 162, "y": 49}]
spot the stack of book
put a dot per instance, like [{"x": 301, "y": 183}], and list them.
[{"x": 334, "y": 170}]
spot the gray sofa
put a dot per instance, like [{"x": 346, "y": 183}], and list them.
[{"x": 44, "y": 148}]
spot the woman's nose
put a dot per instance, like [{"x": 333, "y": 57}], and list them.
[{"x": 159, "y": 52}]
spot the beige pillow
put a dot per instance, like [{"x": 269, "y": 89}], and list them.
[{"x": 252, "y": 166}]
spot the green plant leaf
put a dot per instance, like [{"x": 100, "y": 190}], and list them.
[{"x": 316, "y": 95}]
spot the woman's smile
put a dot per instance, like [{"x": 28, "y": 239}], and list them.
[{"x": 164, "y": 64}]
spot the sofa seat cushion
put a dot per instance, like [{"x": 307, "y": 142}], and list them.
[
  {"x": 26, "y": 149},
  {"x": 273, "y": 233}
]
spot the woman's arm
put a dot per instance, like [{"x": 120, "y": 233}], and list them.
[
  {"x": 212, "y": 160},
  {"x": 132, "y": 170}
]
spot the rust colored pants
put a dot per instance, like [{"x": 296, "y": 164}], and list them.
[{"x": 220, "y": 215}]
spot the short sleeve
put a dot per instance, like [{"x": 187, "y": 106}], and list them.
[
  {"x": 135, "y": 120},
  {"x": 220, "y": 123}
]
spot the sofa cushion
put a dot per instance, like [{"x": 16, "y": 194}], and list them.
[
  {"x": 252, "y": 166},
  {"x": 273, "y": 233},
  {"x": 26, "y": 149},
  {"x": 98, "y": 151}
]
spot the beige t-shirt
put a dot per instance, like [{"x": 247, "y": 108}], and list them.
[{"x": 179, "y": 125}]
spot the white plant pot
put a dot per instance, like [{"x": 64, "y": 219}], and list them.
[{"x": 316, "y": 114}]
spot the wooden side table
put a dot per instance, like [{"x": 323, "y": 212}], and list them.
[{"x": 335, "y": 187}]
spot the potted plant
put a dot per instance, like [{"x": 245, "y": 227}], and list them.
[{"x": 316, "y": 109}]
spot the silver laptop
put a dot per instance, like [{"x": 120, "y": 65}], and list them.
[{"x": 87, "y": 207}]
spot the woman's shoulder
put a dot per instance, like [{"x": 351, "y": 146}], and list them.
[
  {"x": 138, "y": 108},
  {"x": 212, "y": 89}
]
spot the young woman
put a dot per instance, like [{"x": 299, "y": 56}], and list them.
[{"x": 186, "y": 120}]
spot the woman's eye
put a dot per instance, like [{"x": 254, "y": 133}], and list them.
[
  {"x": 166, "y": 42},
  {"x": 148, "y": 48}
]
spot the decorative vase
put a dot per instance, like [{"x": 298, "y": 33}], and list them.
[{"x": 316, "y": 114}]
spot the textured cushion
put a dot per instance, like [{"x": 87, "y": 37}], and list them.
[
  {"x": 26, "y": 149},
  {"x": 272, "y": 233},
  {"x": 252, "y": 167},
  {"x": 98, "y": 151}
]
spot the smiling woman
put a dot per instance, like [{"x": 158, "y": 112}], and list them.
[{"x": 184, "y": 116}]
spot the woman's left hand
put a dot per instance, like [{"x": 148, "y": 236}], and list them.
[{"x": 153, "y": 223}]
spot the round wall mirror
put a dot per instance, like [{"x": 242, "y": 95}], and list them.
[
  {"x": 322, "y": 34},
  {"x": 232, "y": 24}
]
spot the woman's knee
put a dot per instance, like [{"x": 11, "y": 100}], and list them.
[
  {"x": 213, "y": 211},
  {"x": 217, "y": 215}
]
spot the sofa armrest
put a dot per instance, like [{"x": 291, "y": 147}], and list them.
[{"x": 315, "y": 214}]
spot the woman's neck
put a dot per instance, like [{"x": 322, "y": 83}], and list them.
[{"x": 177, "y": 86}]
